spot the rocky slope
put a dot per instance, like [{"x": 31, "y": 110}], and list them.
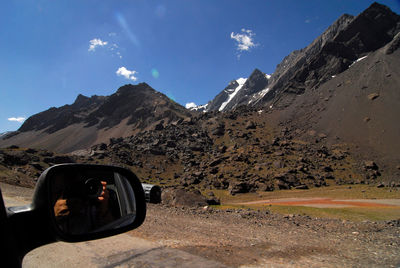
[
  {"x": 328, "y": 115},
  {"x": 343, "y": 85},
  {"x": 89, "y": 121},
  {"x": 346, "y": 40},
  {"x": 358, "y": 106}
]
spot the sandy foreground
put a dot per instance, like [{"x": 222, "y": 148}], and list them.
[
  {"x": 248, "y": 238},
  {"x": 244, "y": 238}
]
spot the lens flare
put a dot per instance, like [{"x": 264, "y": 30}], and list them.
[
  {"x": 155, "y": 73},
  {"x": 124, "y": 25},
  {"x": 171, "y": 96}
]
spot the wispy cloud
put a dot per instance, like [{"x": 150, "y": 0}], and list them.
[
  {"x": 95, "y": 43},
  {"x": 115, "y": 50},
  {"x": 112, "y": 47},
  {"x": 244, "y": 40},
  {"x": 122, "y": 71},
  {"x": 190, "y": 105},
  {"x": 16, "y": 119}
]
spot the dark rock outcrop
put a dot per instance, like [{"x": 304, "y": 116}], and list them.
[{"x": 346, "y": 40}]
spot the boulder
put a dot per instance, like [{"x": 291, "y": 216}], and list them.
[
  {"x": 282, "y": 185},
  {"x": 250, "y": 125},
  {"x": 278, "y": 164},
  {"x": 219, "y": 130},
  {"x": 370, "y": 165},
  {"x": 373, "y": 96},
  {"x": 159, "y": 126},
  {"x": 240, "y": 187},
  {"x": 180, "y": 197},
  {"x": 213, "y": 201}
]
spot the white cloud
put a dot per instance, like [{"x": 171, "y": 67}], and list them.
[
  {"x": 113, "y": 47},
  {"x": 95, "y": 43},
  {"x": 244, "y": 40},
  {"x": 190, "y": 105},
  {"x": 122, "y": 71},
  {"x": 17, "y": 119}
]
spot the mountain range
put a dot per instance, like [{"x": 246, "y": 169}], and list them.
[
  {"x": 331, "y": 108},
  {"x": 96, "y": 119},
  {"x": 348, "y": 39}
]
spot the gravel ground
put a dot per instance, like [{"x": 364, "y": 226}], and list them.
[{"x": 257, "y": 238}]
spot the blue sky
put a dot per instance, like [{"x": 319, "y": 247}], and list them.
[{"x": 53, "y": 50}]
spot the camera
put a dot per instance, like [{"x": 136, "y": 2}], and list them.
[{"x": 93, "y": 188}]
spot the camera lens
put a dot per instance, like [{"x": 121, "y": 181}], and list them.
[{"x": 93, "y": 188}]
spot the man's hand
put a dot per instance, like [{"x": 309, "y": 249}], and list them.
[
  {"x": 103, "y": 200},
  {"x": 104, "y": 194}
]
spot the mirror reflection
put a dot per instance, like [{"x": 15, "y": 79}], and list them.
[{"x": 91, "y": 200}]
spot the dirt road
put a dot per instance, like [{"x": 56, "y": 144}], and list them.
[
  {"x": 117, "y": 251},
  {"x": 327, "y": 202},
  {"x": 243, "y": 238},
  {"x": 183, "y": 237}
]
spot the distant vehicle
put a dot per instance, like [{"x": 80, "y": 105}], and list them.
[{"x": 72, "y": 203}]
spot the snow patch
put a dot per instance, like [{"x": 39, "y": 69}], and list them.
[
  {"x": 263, "y": 92},
  {"x": 233, "y": 93},
  {"x": 268, "y": 76},
  {"x": 360, "y": 59},
  {"x": 190, "y": 105},
  {"x": 197, "y": 107},
  {"x": 259, "y": 95}
]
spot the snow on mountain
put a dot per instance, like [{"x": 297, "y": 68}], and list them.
[
  {"x": 190, "y": 105},
  {"x": 198, "y": 108},
  {"x": 258, "y": 96},
  {"x": 232, "y": 92},
  {"x": 358, "y": 60}
]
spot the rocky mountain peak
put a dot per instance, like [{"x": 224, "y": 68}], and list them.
[
  {"x": 131, "y": 109},
  {"x": 239, "y": 92},
  {"x": 346, "y": 40},
  {"x": 233, "y": 84},
  {"x": 132, "y": 89},
  {"x": 256, "y": 82},
  {"x": 370, "y": 30},
  {"x": 81, "y": 98}
]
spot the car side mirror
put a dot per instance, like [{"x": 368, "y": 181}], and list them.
[
  {"x": 89, "y": 201},
  {"x": 77, "y": 202}
]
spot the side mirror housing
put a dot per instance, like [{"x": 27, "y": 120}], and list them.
[{"x": 78, "y": 202}]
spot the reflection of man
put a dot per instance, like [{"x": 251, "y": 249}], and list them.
[{"x": 78, "y": 213}]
